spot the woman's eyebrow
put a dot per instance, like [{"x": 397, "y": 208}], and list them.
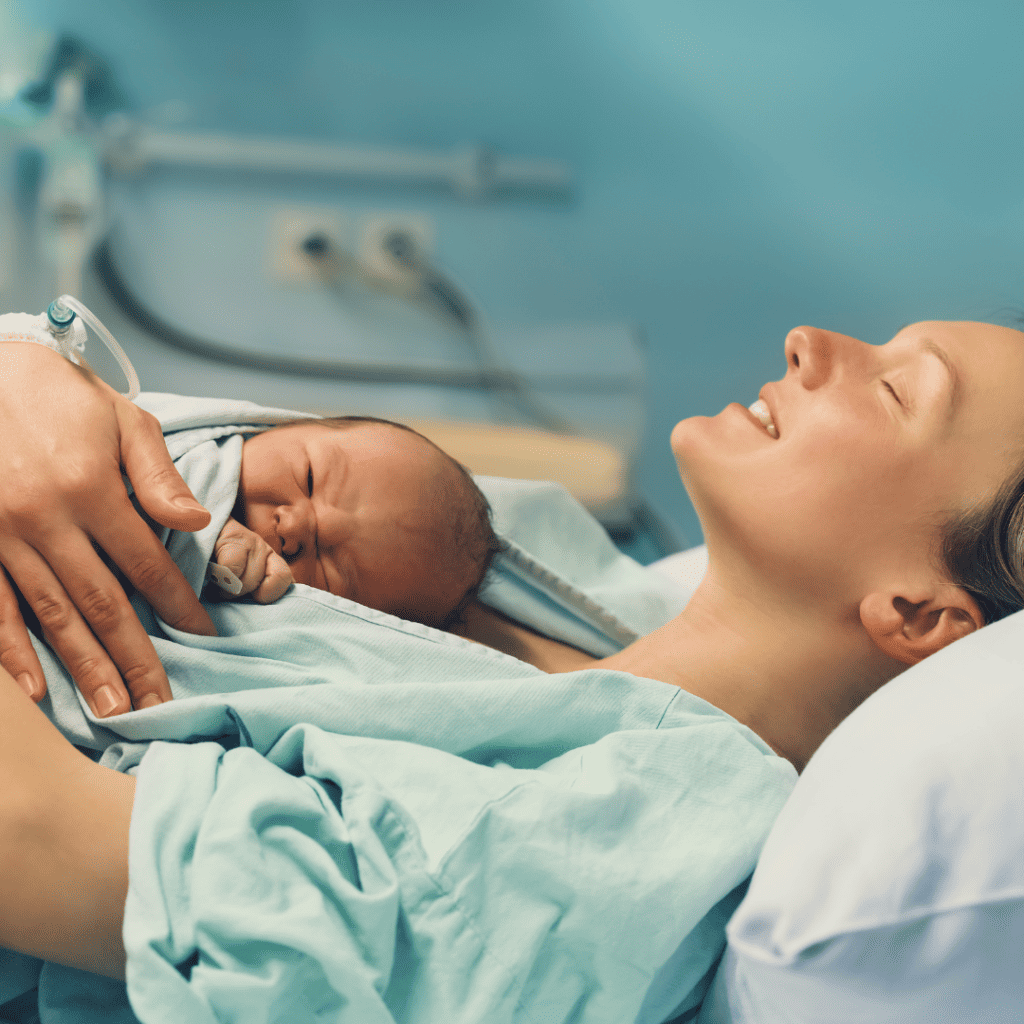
[{"x": 955, "y": 382}]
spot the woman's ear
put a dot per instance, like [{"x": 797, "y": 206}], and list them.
[{"x": 909, "y": 629}]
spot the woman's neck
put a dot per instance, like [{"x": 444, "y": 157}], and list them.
[{"x": 788, "y": 678}]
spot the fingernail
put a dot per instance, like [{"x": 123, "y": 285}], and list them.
[
  {"x": 104, "y": 701},
  {"x": 188, "y": 505},
  {"x": 29, "y": 685},
  {"x": 151, "y": 700}
]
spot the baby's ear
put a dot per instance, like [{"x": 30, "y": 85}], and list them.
[{"x": 909, "y": 628}]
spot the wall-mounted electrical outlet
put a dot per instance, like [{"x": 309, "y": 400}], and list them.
[
  {"x": 292, "y": 227},
  {"x": 390, "y": 241}
]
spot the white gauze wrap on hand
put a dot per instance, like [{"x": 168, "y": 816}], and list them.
[{"x": 34, "y": 327}]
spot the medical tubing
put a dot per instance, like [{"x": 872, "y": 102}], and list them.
[
  {"x": 453, "y": 294},
  {"x": 70, "y": 302},
  {"x": 459, "y": 306}
]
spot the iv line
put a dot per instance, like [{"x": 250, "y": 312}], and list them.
[{"x": 61, "y": 314}]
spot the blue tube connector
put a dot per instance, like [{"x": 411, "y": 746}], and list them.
[{"x": 60, "y": 316}]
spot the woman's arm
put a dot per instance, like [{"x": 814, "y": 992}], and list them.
[{"x": 63, "y": 843}]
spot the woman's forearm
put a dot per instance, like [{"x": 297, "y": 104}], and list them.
[{"x": 63, "y": 843}]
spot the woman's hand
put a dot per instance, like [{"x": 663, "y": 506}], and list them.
[
  {"x": 64, "y": 438},
  {"x": 263, "y": 572}
]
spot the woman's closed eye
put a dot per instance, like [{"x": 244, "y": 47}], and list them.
[{"x": 892, "y": 391}]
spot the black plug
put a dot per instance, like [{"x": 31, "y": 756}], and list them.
[{"x": 316, "y": 246}]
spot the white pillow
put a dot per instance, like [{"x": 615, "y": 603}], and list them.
[{"x": 891, "y": 888}]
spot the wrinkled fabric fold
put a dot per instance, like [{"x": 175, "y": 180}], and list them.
[{"x": 353, "y": 879}]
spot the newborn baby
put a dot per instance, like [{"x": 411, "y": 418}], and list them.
[{"x": 364, "y": 508}]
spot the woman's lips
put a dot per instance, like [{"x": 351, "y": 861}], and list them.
[{"x": 752, "y": 414}]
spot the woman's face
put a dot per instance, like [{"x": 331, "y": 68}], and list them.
[{"x": 874, "y": 442}]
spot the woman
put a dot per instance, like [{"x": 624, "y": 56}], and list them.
[
  {"x": 827, "y": 576},
  {"x": 863, "y": 538}
]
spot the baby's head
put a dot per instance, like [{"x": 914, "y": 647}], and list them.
[{"x": 369, "y": 510}]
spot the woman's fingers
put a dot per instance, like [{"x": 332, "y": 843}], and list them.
[
  {"x": 166, "y": 497},
  {"x": 136, "y": 550},
  {"x": 17, "y": 655},
  {"x": 159, "y": 486},
  {"x": 108, "y": 644}
]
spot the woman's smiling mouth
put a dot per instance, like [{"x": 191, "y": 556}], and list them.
[{"x": 763, "y": 415}]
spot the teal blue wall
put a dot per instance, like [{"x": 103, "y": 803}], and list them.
[{"x": 744, "y": 165}]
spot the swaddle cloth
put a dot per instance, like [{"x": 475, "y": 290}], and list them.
[{"x": 346, "y": 816}]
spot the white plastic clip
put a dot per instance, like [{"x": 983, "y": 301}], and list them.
[{"x": 224, "y": 578}]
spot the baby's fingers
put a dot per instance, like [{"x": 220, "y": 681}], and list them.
[
  {"x": 237, "y": 556},
  {"x": 277, "y": 580}
]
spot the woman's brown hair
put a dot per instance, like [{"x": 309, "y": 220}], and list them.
[{"x": 981, "y": 549}]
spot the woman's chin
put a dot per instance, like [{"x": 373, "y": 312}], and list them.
[
  {"x": 695, "y": 445},
  {"x": 685, "y": 435}
]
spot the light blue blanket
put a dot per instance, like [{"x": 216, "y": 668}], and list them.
[{"x": 359, "y": 818}]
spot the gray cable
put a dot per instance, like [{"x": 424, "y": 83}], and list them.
[{"x": 485, "y": 378}]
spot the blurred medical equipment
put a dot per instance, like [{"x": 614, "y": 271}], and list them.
[
  {"x": 575, "y": 420},
  {"x": 70, "y": 137},
  {"x": 491, "y": 373}
]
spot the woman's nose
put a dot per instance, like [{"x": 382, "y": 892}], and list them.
[
  {"x": 811, "y": 354},
  {"x": 295, "y": 527}
]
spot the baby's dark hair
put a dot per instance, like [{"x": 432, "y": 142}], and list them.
[{"x": 467, "y": 533}]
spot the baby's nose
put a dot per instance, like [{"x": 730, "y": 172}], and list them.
[{"x": 294, "y": 527}]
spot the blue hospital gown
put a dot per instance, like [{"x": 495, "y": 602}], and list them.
[{"x": 344, "y": 816}]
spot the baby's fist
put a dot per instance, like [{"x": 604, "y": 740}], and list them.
[{"x": 263, "y": 572}]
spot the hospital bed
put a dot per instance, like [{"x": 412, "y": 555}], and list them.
[{"x": 891, "y": 886}]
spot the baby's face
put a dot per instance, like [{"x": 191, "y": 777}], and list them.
[{"x": 351, "y": 510}]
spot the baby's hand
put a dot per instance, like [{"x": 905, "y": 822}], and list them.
[{"x": 263, "y": 572}]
